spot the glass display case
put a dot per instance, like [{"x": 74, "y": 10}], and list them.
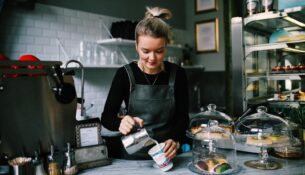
[
  {"x": 202, "y": 119},
  {"x": 265, "y": 131},
  {"x": 272, "y": 50},
  {"x": 213, "y": 143}
]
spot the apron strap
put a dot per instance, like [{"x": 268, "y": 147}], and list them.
[
  {"x": 172, "y": 75},
  {"x": 131, "y": 82},
  {"x": 130, "y": 76}
]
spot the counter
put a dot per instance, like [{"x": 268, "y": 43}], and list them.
[{"x": 129, "y": 167}]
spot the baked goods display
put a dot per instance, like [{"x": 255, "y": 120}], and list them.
[
  {"x": 266, "y": 140},
  {"x": 293, "y": 96},
  {"x": 291, "y": 37},
  {"x": 300, "y": 96},
  {"x": 197, "y": 129},
  {"x": 291, "y": 151},
  {"x": 213, "y": 165},
  {"x": 210, "y": 135},
  {"x": 288, "y": 69},
  {"x": 214, "y": 150},
  {"x": 278, "y": 138},
  {"x": 258, "y": 141}
]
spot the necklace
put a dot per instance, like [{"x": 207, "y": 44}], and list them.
[
  {"x": 149, "y": 81},
  {"x": 142, "y": 69}
]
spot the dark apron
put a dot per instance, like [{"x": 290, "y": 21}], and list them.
[{"x": 154, "y": 104}]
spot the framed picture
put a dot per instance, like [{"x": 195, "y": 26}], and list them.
[
  {"x": 205, "y": 5},
  {"x": 88, "y": 134},
  {"x": 207, "y": 39}
]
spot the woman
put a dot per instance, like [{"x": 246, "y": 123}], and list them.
[{"x": 154, "y": 91}]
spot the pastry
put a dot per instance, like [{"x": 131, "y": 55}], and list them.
[
  {"x": 196, "y": 129},
  {"x": 288, "y": 68},
  {"x": 278, "y": 138},
  {"x": 277, "y": 69},
  {"x": 213, "y": 165},
  {"x": 220, "y": 168},
  {"x": 202, "y": 166},
  {"x": 227, "y": 128},
  {"x": 258, "y": 140}
]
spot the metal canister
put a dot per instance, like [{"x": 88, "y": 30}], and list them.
[{"x": 136, "y": 141}]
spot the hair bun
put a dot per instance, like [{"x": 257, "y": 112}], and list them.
[{"x": 158, "y": 13}]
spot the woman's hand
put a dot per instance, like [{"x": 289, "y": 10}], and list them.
[
  {"x": 128, "y": 123},
  {"x": 170, "y": 148}
]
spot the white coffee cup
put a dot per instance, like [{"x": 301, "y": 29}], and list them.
[{"x": 157, "y": 153}]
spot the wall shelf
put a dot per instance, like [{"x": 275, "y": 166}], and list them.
[
  {"x": 126, "y": 42},
  {"x": 271, "y": 21},
  {"x": 120, "y": 65},
  {"x": 276, "y": 46}
]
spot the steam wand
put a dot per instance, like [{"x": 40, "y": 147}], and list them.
[{"x": 82, "y": 84}]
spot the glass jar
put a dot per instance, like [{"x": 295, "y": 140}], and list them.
[
  {"x": 252, "y": 6},
  {"x": 267, "y": 5}
]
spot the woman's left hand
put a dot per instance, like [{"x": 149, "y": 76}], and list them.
[{"x": 170, "y": 148}]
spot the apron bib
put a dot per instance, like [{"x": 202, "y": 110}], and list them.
[{"x": 155, "y": 104}]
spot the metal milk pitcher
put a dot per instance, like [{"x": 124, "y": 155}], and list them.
[{"x": 137, "y": 140}]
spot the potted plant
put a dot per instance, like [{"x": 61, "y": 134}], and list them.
[{"x": 297, "y": 115}]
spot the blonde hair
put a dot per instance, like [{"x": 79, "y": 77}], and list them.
[{"x": 154, "y": 25}]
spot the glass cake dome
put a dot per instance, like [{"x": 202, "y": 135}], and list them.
[
  {"x": 213, "y": 143},
  {"x": 265, "y": 131},
  {"x": 202, "y": 119}
]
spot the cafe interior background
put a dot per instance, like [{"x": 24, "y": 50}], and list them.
[
  {"x": 61, "y": 30},
  {"x": 40, "y": 29}
]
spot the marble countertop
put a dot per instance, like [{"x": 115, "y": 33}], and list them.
[{"x": 140, "y": 167}]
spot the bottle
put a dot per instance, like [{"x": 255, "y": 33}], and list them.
[
  {"x": 252, "y": 6},
  {"x": 53, "y": 166},
  {"x": 267, "y": 5},
  {"x": 38, "y": 165},
  {"x": 70, "y": 167}
]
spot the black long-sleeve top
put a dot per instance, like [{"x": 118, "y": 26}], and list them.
[{"x": 119, "y": 92}]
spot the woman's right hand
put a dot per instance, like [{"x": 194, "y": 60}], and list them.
[{"x": 128, "y": 123}]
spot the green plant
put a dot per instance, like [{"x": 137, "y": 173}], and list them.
[{"x": 297, "y": 115}]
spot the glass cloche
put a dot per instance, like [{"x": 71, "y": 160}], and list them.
[
  {"x": 265, "y": 131},
  {"x": 201, "y": 119},
  {"x": 213, "y": 143}
]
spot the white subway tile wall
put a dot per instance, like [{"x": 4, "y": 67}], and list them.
[{"x": 40, "y": 31}]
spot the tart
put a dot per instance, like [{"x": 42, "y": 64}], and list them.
[
  {"x": 258, "y": 140},
  {"x": 196, "y": 129},
  {"x": 278, "y": 138},
  {"x": 210, "y": 135}
]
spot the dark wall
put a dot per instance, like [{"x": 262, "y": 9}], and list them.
[
  {"x": 128, "y": 9},
  {"x": 214, "y": 90}
]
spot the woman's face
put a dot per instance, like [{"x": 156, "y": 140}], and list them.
[{"x": 151, "y": 52}]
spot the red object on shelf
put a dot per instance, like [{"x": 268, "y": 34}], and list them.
[{"x": 31, "y": 58}]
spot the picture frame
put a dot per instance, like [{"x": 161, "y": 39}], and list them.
[
  {"x": 88, "y": 134},
  {"x": 205, "y": 5},
  {"x": 207, "y": 36}
]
